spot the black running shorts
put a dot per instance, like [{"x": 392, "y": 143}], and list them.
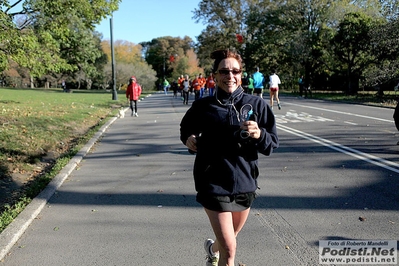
[{"x": 232, "y": 203}]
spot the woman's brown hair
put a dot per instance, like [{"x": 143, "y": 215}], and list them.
[{"x": 219, "y": 55}]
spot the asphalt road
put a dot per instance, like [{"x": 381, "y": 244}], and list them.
[{"x": 131, "y": 199}]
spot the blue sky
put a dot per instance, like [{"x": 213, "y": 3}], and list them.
[{"x": 143, "y": 20}]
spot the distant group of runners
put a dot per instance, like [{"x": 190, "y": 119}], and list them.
[{"x": 199, "y": 86}]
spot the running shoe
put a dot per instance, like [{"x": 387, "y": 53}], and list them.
[{"x": 211, "y": 259}]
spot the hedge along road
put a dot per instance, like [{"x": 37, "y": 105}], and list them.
[{"x": 131, "y": 200}]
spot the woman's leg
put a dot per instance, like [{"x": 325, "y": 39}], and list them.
[
  {"x": 277, "y": 99},
  {"x": 211, "y": 91},
  {"x": 135, "y": 106},
  {"x": 185, "y": 97},
  {"x": 226, "y": 226},
  {"x": 271, "y": 98},
  {"x": 131, "y": 107}
]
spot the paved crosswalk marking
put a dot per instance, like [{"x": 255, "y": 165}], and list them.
[{"x": 293, "y": 117}]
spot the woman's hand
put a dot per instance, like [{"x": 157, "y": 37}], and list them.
[
  {"x": 252, "y": 128},
  {"x": 191, "y": 143}
]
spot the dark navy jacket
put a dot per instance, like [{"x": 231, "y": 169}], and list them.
[
  {"x": 227, "y": 164},
  {"x": 396, "y": 115}
]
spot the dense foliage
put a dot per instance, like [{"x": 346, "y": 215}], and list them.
[
  {"x": 171, "y": 57},
  {"x": 51, "y": 37},
  {"x": 335, "y": 44},
  {"x": 129, "y": 62}
]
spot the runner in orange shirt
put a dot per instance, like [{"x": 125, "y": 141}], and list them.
[
  {"x": 180, "y": 84},
  {"x": 210, "y": 84},
  {"x": 196, "y": 84},
  {"x": 202, "y": 82}
]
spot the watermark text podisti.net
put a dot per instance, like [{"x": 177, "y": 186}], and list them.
[{"x": 358, "y": 252}]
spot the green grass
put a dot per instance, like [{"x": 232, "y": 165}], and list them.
[{"x": 35, "y": 123}]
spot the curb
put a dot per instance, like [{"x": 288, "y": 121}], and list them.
[{"x": 14, "y": 231}]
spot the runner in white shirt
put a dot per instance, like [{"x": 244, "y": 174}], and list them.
[{"x": 274, "y": 81}]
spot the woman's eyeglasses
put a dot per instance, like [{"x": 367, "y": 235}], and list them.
[{"x": 227, "y": 71}]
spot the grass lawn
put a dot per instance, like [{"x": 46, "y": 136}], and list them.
[{"x": 40, "y": 131}]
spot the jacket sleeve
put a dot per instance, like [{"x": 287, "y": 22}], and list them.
[
  {"x": 268, "y": 140},
  {"x": 127, "y": 91},
  {"x": 396, "y": 116},
  {"x": 189, "y": 124}
]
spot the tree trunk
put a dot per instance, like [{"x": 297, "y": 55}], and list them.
[{"x": 32, "y": 85}]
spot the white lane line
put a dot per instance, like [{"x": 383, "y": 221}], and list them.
[
  {"x": 394, "y": 167},
  {"x": 350, "y": 123},
  {"x": 339, "y": 112}
]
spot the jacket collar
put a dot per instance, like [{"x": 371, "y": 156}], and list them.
[{"x": 225, "y": 98}]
